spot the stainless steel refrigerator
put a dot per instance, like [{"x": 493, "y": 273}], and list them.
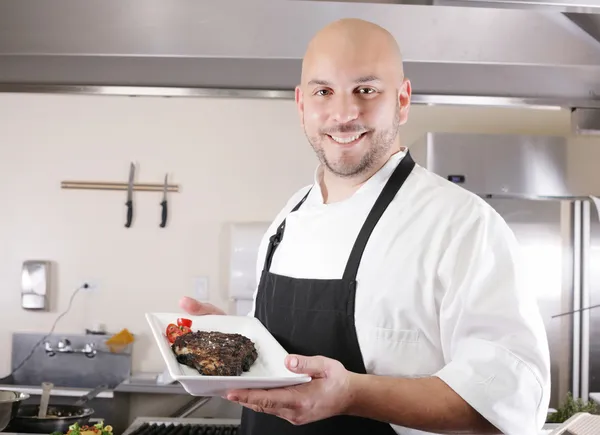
[{"x": 526, "y": 179}]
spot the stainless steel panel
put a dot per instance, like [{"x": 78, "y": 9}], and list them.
[
  {"x": 74, "y": 370},
  {"x": 538, "y": 226},
  {"x": 589, "y": 6},
  {"x": 450, "y": 51},
  {"x": 189, "y": 28},
  {"x": 593, "y": 274},
  {"x": 433, "y": 83},
  {"x": 416, "y": 99},
  {"x": 590, "y": 23},
  {"x": 586, "y": 121},
  {"x": 501, "y": 165}
]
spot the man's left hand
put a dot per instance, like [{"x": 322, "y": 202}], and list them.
[{"x": 328, "y": 393}]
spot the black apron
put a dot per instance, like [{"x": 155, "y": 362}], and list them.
[{"x": 316, "y": 317}]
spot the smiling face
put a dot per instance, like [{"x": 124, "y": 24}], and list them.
[{"x": 353, "y": 98}]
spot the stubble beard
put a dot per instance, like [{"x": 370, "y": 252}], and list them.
[{"x": 344, "y": 167}]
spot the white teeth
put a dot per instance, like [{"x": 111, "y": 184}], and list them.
[{"x": 346, "y": 139}]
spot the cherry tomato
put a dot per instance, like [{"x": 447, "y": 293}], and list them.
[
  {"x": 173, "y": 331},
  {"x": 184, "y": 322}
]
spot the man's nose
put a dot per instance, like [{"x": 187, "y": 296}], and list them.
[{"x": 344, "y": 109}]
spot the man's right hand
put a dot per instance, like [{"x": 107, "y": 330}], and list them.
[{"x": 195, "y": 308}]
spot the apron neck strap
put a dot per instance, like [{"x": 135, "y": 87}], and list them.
[{"x": 386, "y": 196}]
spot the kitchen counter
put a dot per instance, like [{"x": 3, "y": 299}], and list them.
[
  {"x": 149, "y": 383},
  {"x": 34, "y": 390},
  {"x": 142, "y": 383}
]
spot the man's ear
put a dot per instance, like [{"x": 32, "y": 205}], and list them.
[
  {"x": 299, "y": 97},
  {"x": 404, "y": 96}
]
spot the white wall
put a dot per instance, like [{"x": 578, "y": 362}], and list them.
[
  {"x": 236, "y": 160},
  {"x": 226, "y": 156}
]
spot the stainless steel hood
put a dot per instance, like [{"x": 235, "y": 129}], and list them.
[
  {"x": 577, "y": 6},
  {"x": 504, "y": 165},
  {"x": 463, "y": 55}
]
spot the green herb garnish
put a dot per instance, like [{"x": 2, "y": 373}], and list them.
[{"x": 97, "y": 429}]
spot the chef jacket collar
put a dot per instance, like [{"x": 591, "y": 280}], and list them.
[{"x": 378, "y": 179}]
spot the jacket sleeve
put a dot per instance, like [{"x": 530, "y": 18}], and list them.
[{"x": 493, "y": 337}]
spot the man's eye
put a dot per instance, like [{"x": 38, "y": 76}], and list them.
[
  {"x": 366, "y": 90},
  {"x": 322, "y": 92}
]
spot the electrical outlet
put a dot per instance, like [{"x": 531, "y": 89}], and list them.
[
  {"x": 201, "y": 288},
  {"x": 93, "y": 285}
]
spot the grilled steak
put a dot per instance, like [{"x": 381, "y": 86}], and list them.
[{"x": 215, "y": 353}]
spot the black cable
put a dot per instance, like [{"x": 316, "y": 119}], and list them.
[{"x": 85, "y": 285}]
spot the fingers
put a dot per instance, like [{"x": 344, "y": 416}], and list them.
[
  {"x": 276, "y": 399},
  {"x": 287, "y": 414},
  {"x": 283, "y": 403},
  {"x": 195, "y": 308},
  {"x": 312, "y": 366}
]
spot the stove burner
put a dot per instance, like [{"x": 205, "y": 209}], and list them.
[{"x": 185, "y": 429}]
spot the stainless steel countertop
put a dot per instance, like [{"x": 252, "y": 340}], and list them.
[
  {"x": 137, "y": 383},
  {"x": 57, "y": 391},
  {"x": 147, "y": 383}
]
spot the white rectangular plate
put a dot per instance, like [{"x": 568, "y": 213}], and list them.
[{"x": 268, "y": 371}]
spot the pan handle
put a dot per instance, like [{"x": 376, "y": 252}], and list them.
[
  {"x": 91, "y": 395},
  {"x": 46, "y": 387}
]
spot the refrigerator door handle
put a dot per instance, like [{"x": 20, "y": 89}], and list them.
[
  {"x": 576, "y": 380},
  {"x": 585, "y": 300}
]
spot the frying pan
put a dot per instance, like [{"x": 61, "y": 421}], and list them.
[{"x": 57, "y": 418}]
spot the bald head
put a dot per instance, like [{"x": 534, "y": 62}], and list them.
[
  {"x": 353, "y": 97},
  {"x": 351, "y": 40}
]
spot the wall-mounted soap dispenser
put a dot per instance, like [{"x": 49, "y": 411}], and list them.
[{"x": 35, "y": 283}]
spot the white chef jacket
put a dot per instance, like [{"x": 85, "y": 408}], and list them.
[{"x": 439, "y": 291}]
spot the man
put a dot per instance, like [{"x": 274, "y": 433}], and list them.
[{"x": 397, "y": 291}]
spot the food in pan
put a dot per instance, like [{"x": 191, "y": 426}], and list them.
[
  {"x": 211, "y": 353},
  {"x": 97, "y": 429}
]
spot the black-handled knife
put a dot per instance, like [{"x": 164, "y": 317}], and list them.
[
  {"x": 163, "y": 204},
  {"x": 129, "y": 202}
]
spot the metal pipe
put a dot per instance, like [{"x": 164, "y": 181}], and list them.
[{"x": 190, "y": 407}]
